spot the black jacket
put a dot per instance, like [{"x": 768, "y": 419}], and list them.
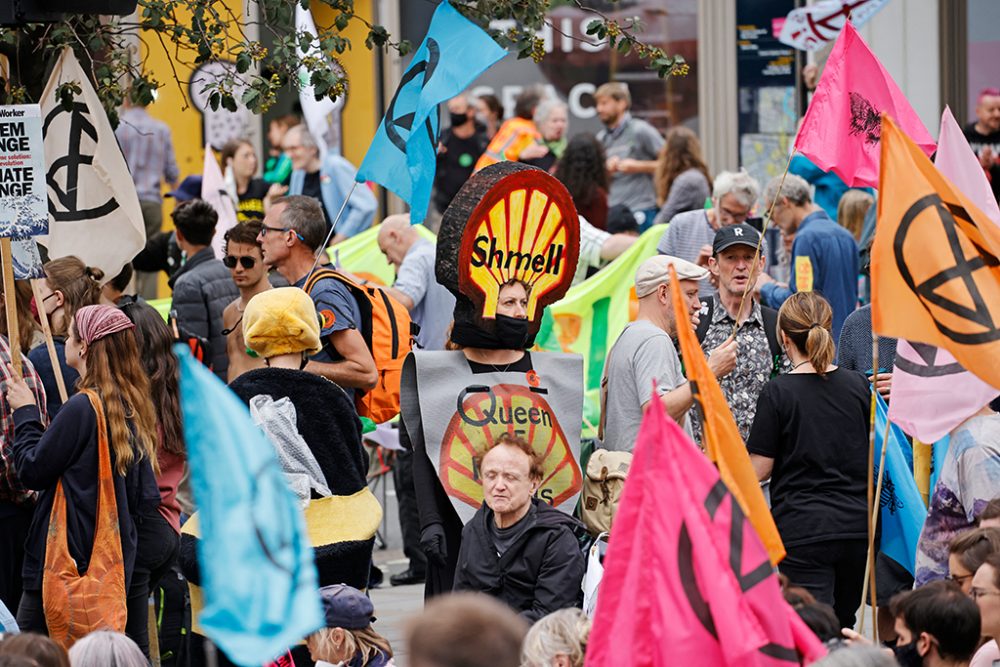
[
  {"x": 203, "y": 287},
  {"x": 67, "y": 451},
  {"x": 541, "y": 571}
]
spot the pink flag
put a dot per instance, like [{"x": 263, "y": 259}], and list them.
[
  {"x": 931, "y": 392},
  {"x": 686, "y": 579},
  {"x": 842, "y": 126},
  {"x": 213, "y": 190}
]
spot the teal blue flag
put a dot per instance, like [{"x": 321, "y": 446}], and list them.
[
  {"x": 256, "y": 562},
  {"x": 902, "y": 510},
  {"x": 403, "y": 154}
]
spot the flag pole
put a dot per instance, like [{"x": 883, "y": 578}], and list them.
[
  {"x": 10, "y": 306},
  {"x": 869, "y": 571},
  {"x": 43, "y": 318},
  {"x": 760, "y": 241},
  {"x": 870, "y": 561},
  {"x": 329, "y": 234},
  {"x": 922, "y": 468}
]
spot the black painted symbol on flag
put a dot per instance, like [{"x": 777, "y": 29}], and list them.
[
  {"x": 393, "y": 124},
  {"x": 72, "y": 162},
  {"x": 888, "y": 499},
  {"x": 865, "y": 119},
  {"x": 984, "y": 329},
  {"x": 929, "y": 368},
  {"x": 760, "y": 573}
]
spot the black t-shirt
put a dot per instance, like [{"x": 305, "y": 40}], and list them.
[
  {"x": 311, "y": 188},
  {"x": 455, "y": 165},
  {"x": 979, "y": 141},
  {"x": 252, "y": 201},
  {"x": 503, "y": 538},
  {"x": 816, "y": 430},
  {"x": 522, "y": 365}
]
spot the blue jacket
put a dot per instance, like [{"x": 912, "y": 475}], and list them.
[
  {"x": 825, "y": 260},
  {"x": 829, "y": 187},
  {"x": 336, "y": 179}
]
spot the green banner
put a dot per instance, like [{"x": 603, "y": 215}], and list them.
[
  {"x": 592, "y": 314},
  {"x": 360, "y": 255}
]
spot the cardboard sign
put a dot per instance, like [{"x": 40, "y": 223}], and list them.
[
  {"x": 509, "y": 222},
  {"x": 23, "y": 199}
]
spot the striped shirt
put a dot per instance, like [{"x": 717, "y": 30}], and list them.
[
  {"x": 11, "y": 490},
  {"x": 149, "y": 151}
]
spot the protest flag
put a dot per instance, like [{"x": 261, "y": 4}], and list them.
[
  {"x": 214, "y": 191},
  {"x": 901, "y": 509},
  {"x": 925, "y": 375},
  {"x": 94, "y": 210},
  {"x": 254, "y": 555},
  {"x": 722, "y": 441},
  {"x": 935, "y": 268},
  {"x": 811, "y": 28},
  {"x": 322, "y": 116},
  {"x": 686, "y": 579},
  {"x": 841, "y": 131},
  {"x": 403, "y": 153}
]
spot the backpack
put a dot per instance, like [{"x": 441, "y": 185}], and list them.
[
  {"x": 386, "y": 328},
  {"x": 768, "y": 315},
  {"x": 602, "y": 489}
]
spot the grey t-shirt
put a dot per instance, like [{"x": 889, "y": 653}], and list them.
[
  {"x": 433, "y": 304},
  {"x": 642, "y": 353},
  {"x": 636, "y": 139}
]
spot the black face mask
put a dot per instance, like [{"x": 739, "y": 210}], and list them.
[
  {"x": 907, "y": 655},
  {"x": 509, "y": 334},
  {"x": 458, "y": 119},
  {"x": 512, "y": 332}
]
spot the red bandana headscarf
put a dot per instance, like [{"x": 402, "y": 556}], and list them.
[{"x": 96, "y": 322}]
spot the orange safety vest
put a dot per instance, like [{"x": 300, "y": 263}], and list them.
[
  {"x": 513, "y": 137},
  {"x": 76, "y": 605}
]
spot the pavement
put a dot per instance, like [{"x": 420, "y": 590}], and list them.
[{"x": 394, "y": 605}]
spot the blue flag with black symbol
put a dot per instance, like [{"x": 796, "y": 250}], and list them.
[
  {"x": 254, "y": 556},
  {"x": 403, "y": 154},
  {"x": 902, "y": 510}
]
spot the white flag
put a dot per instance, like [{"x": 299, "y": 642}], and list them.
[
  {"x": 93, "y": 208},
  {"x": 214, "y": 191},
  {"x": 813, "y": 27},
  {"x": 322, "y": 117}
]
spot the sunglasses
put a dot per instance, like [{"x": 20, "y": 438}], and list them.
[
  {"x": 265, "y": 229},
  {"x": 245, "y": 262}
]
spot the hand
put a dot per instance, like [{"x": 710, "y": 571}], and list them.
[
  {"x": 722, "y": 360},
  {"x": 986, "y": 157},
  {"x": 627, "y": 165},
  {"x": 703, "y": 255},
  {"x": 442, "y": 149},
  {"x": 533, "y": 151},
  {"x": 612, "y": 163},
  {"x": 884, "y": 384},
  {"x": 434, "y": 545},
  {"x": 273, "y": 192},
  {"x": 762, "y": 280},
  {"x": 18, "y": 394}
]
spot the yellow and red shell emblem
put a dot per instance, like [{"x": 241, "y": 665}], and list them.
[
  {"x": 506, "y": 408},
  {"x": 525, "y": 228}
]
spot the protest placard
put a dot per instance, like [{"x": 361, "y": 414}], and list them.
[{"x": 24, "y": 211}]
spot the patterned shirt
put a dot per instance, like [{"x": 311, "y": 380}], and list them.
[
  {"x": 149, "y": 151},
  {"x": 754, "y": 364},
  {"x": 970, "y": 478},
  {"x": 11, "y": 490}
]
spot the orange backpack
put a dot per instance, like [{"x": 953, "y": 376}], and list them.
[
  {"x": 386, "y": 328},
  {"x": 76, "y": 605}
]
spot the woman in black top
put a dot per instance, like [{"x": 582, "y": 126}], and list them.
[
  {"x": 810, "y": 436},
  {"x": 240, "y": 160}
]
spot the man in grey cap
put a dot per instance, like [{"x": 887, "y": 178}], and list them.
[{"x": 644, "y": 352}]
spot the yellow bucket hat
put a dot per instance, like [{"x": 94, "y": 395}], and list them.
[{"x": 281, "y": 321}]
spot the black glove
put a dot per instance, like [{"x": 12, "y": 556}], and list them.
[{"x": 434, "y": 545}]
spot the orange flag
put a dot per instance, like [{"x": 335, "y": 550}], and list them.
[
  {"x": 721, "y": 437},
  {"x": 935, "y": 272}
]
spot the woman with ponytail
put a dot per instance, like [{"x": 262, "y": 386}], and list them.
[
  {"x": 810, "y": 437},
  {"x": 93, "y": 470}
]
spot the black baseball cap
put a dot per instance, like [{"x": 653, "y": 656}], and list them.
[
  {"x": 190, "y": 188},
  {"x": 739, "y": 234}
]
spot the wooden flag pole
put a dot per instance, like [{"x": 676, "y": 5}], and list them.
[
  {"x": 922, "y": 456},
  {"x": 869, "y": 570},
  {"x": 10, "y": 306},
  {"x": 873, "y": 522},
  {"x": 50, "y": 345}
]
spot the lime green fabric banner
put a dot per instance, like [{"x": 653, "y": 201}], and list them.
[
  {"x": 589, "y": 318},
  {"x": 360, "y": 255}
]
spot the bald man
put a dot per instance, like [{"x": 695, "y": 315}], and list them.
[{"x": 430, "y": 304}]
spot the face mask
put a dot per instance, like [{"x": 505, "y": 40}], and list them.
[
  {"x": 458, "y": 119},
  {"x": 907, "y": 655},
  {"x": 512, "y": 332}
]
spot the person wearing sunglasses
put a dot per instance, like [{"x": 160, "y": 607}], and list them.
[
  {"x": 245, "y": 261},
  {"x": 202, "y": 286}
]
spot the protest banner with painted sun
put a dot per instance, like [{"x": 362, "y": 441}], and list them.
[{"x": 510, "y": 225}]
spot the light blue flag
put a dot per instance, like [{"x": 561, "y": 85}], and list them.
[
  {"x": 403, "y": 154},
  {"x": 256, "y": 562},
  {"x": 938, "y": 451},
  {"x": 902, "y": 509}
]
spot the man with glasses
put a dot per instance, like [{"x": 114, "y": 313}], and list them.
[
  {"x": 824, "y": 254},
  {"x": 290, "y": 237},
  {"x": 202, "y": 286},
  {"x": 690, "y": 234},
  {"x": 245, "y": 262}
]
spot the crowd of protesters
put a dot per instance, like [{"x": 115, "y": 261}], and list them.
[{"x": 782, "y": 320}]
